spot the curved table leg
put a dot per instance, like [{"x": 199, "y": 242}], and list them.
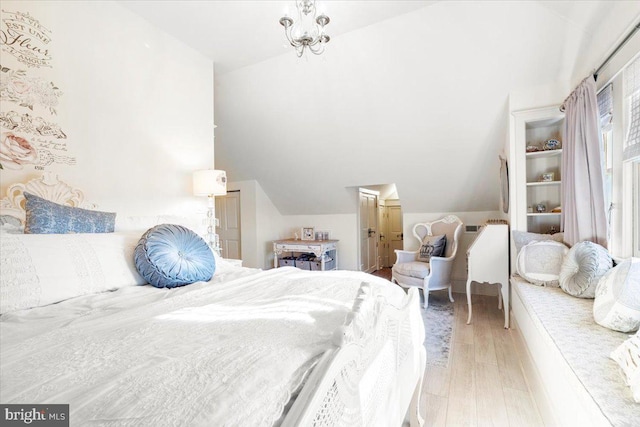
[{"x": 469, "y": 300}]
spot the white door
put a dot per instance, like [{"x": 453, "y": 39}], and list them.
[
  {"x": 383, "y": 235},
  {"x": 368, "y": 232},
  {"x": 228, "y": 212},
  {"x": 395, "y": 231}
]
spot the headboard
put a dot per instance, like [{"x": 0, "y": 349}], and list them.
[{"x": 49, "y": 187}]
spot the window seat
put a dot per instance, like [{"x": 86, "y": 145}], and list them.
[{"x": 565, "y": 355}]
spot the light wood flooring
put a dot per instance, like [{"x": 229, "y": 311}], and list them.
[{"x": 484, "y": 384}]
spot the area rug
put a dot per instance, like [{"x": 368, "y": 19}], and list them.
[{"x": 438, "y": 324}]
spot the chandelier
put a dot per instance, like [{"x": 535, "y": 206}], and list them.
[{"x": 308, "y": 31}]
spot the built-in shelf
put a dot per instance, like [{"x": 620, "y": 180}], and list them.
[
  {"x": 542, "y": 183},
  {"x": 544, "y": 213},
  {"x": 544, "y": 153}
]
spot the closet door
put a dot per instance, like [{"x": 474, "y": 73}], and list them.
[
  {"x": 396, "y": 236},
  {"x": 229, "y": 230},
  {"x": 368, "y": 232}
]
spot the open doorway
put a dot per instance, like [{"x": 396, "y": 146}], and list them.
[{"x": 380, "y": 230}]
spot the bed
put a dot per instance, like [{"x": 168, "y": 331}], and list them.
[{"x": 79, "y": 326}]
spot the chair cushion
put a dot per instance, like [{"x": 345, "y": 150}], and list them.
[
  {"x": 432, "y": 246},
  {"x": 416, "y": 269},
  {"x": 170, "y": 255}
]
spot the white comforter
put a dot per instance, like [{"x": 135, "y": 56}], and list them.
[{"x": 230, "y": 352}]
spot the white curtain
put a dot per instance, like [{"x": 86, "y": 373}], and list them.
[{"x": 583, "y": 207}]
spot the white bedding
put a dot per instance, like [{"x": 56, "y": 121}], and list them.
[{"x": 228, "y": 352}]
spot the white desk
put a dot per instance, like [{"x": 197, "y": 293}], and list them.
[{"x": 488, "y": 262}]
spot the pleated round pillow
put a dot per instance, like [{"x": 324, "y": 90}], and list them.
[
  {"x": 583, "y": 267},
  {"x": 617, "y": 303},
  {"x": 171, "y": 255}
]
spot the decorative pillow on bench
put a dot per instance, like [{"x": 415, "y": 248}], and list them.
[
  {"x": 539, "y": 262},
  {"x": 628, "y": 357},
  {"x": 583, "y": 267},
  {"x": 617, "y": 303},
  {"x": 523, "y": 238}
]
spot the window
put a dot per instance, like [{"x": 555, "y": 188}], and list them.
[
  {"x": 605, "y": 109},
  {"x": 631, "y": 155},
  {"x": 636, "y": 209}
]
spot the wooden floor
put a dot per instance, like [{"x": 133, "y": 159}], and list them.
[{"x": 484, "y": 384}]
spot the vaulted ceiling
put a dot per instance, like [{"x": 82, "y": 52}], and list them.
[{"x": 415, "y": 93}]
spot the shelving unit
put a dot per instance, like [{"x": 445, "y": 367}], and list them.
[{"x": 534, "y": 128}]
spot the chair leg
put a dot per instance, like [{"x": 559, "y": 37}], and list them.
[
  {"x": 425, "y": 292},
  {"x": 450, "y": 296}
]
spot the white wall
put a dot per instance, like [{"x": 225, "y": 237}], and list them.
[
  {"x": 419, "y": 100},
  {"x": 137, "y": 107},
  {"x": 261, "y": 224}
]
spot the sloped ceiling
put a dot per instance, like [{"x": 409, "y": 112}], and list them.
[{"x": 419, "y": 99}]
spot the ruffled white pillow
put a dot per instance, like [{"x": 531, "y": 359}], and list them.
[
  {"x": 627, "y": 355},
  {"x": 523, "y": 238},
  {"x": 617, "y": 303},
  {"x": 539, "y": 262}
]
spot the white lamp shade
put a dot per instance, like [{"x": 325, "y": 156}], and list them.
[{"x": 209, "y": 182}]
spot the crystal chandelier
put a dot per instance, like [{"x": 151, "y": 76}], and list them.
[{"x": 308, "y": 31}]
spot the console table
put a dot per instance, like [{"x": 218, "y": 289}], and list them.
[{"x": 317, "y": 247}]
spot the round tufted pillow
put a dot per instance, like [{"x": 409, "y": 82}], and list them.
[
  {"x": 583, "y": 267},
  {"x": 539, "y": 262},
  {"x": 171, "y": 255},
  {"x": 617, "y": 303}
]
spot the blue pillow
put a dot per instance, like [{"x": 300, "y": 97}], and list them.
[
  {"x": 171, "y": 255},
  {"x": 45, "y": 217}
]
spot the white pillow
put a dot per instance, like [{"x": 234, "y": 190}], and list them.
[
  {"x": 617, "y": 303},
  {"x": 41, "y": 269},
  {"x": 523, "y": 238},
  {"x": 583, "y": 267},
  {"x": 539, "y": 262},
  {"x": 627, "y": 355}
]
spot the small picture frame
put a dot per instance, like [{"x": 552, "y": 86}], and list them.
[
  {"x": 547, "y": 177},
  {"x": 307, "y": 233}
]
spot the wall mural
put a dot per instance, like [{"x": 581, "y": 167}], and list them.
[{"x": 30, "y": 134}]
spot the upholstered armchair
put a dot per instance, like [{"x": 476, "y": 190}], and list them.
[{"x": 430, "y": 266}]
